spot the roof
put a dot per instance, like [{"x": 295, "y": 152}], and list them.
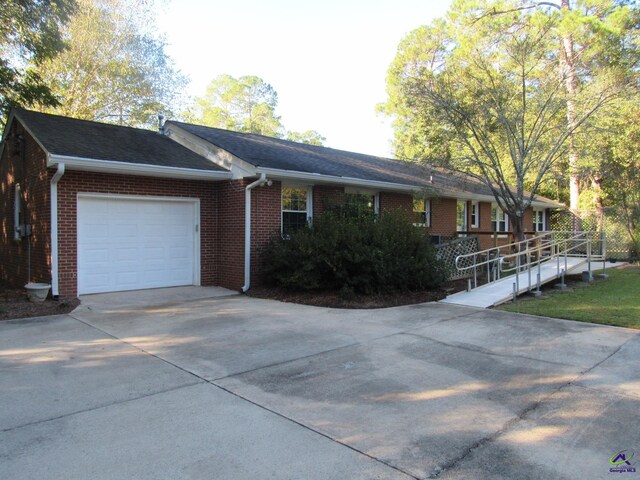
[
  {"x": 85, "y": 139},
  {"x": 275, "y": 153},
  {"x": 100, "y": 146}
]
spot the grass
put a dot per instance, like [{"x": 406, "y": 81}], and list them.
[{"x": 611, "y": 301}]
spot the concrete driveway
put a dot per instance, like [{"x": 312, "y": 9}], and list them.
[{"x": 239, "y": 388}]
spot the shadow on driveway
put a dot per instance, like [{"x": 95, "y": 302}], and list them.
[{"x": 238, "y": 387}]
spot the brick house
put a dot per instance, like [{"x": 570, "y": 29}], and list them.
[{"x": 92, "y": 207}]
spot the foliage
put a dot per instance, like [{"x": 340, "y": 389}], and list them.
[
  {"x": 355, "y": 254},
  {"x": 310, "y": 137},
  {"x": 612, "y": 301},
  {"x": 245, "y": 104},
  {"x": 614, "y": 152},
  {"x": 594, "y": 43},
  {"x": 29, "y": 34},
  {"x": 114, "y": 69},
  {"x": 483, "y": 93}
]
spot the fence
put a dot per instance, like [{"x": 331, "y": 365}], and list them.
[
  {"x": 449, "y": 251},
  {"x": 619, "y": 242}
]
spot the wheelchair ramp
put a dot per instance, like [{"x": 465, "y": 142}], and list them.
[{"x": 501, "y": 291}]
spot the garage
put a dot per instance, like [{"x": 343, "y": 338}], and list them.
[{"x": 132, "y": 243}]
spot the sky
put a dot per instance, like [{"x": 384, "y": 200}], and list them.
[{"x": 327, "y": 59}]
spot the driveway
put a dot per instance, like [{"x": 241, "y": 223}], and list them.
[{"x": 232, "y": 387}]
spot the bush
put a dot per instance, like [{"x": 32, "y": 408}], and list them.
[{"x": 355, "y": 254}]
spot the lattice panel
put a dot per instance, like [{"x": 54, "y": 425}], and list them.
[
  {"x": 447, "y": 252},
  {"x": 618, "y": 240}
]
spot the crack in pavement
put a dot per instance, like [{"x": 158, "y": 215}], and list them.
[
  {"x": 322, "y": 434},
  {"x": 506, "y": 427},
  {"x": 475, "y": 349},
  {"x": 510, "y": 424},
  {"x": 98, "y": 407},
  {"x": 262, "y": 407}
]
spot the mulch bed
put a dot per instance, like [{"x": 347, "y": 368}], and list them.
[
  {"x": 15, "y": 304},
  {"x": 333, "y": 299}
]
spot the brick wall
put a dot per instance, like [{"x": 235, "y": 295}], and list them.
[
  {"x": 395, "y": 201},
  {"x": 488, "y": 241},
  {"x": 443, "y": 216},
  {"x": 74, "y": 182},
  {"x": 24, "y": 162},
  {"x": 325, "y": 197},
  {"x": 221, "y": 211},
  {"x": 230, "y": 206},
  {"x": 266, "y": 219}
]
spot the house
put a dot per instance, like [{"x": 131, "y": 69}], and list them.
[{"x": 92, "y": 207}]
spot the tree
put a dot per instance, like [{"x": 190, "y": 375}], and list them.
[
  {"x": 591, "y": 40},
  {"x": 29, "y": 35},
  {"x": 113, "y": 69},
  {"x": 613, "y": 148},
  {"x": 310, "y": 137},
  {"x": 245, "y": 104},
  {"x": 593, "y": 35},
  {"x": 490, "y": 90}
]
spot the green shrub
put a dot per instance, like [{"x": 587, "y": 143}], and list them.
[{"x": 355, "y": 253}]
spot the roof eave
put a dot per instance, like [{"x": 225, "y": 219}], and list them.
[
  {"x": 205, "y": 148},
  {"x": 327, "y": 179},
  {"x": 125, "y": 168},
  {"x": 447, "y": 192}
]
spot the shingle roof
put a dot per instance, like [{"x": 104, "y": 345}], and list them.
[
  {"x": 100, "y": 141},
  {"x": 275, "y": 153}
]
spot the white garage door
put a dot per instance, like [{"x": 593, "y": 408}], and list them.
[{"x": 131, "y": 244}]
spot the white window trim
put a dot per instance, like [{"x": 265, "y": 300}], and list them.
[
  {"x": 465, "y": 227},
  {"x": 17, "y": 212},
  {"x": 541, "y": 211},
  {"x": 475, "y": 204},
  {"x": 427, "y": 214},
  {"x": 501, "y": 234},
  {"x": 309, "y": 209},
  {"x": 366, "y": 191}
]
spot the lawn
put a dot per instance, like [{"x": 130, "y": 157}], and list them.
[{"x": 611, "y": 301}]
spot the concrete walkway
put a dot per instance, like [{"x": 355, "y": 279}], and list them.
[
  {"x": 495, "y": 293},
  {"x": 232, "y": 387}
]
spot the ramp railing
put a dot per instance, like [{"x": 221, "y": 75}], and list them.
[{"x": 531, "y": 254}]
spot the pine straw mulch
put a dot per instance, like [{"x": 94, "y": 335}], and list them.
[
  {"x": 334, "y": 299},
  {"x": 15, "y": 304}
]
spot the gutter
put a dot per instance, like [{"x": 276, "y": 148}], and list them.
[
  {"x": 54, "y": 228},
  {"x": 322, "y": 178},
  {"x": 440, "y": 190},
  {"x": 247, "y": 229},
  {"x": 125, "y": 168}
]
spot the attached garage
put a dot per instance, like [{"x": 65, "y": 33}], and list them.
[{"x": 132, "y": 243}]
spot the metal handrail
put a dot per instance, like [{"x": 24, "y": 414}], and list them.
[{"x": 525, "y": 254}]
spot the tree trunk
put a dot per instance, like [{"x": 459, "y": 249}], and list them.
[
  {"x": 571, "y": 85},
  {"x": 596, "y": 185},
  {"x": 517, "y": 227}
]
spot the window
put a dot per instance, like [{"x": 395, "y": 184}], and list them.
[
  {"x": 461, "y": 216},
  {"x": 295, "y": 208},
  {"x": 360, "y": 202},
  {"x": 475, "y": 215},
  {"x": 17, "y": 211},
  {"x": 422, "y": 212},
  {"x": 539, "y": 221},
  {"x": 499, "y": 219}
]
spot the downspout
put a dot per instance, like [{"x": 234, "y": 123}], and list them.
[
  {"x": 247, "y": 229},
  {"x": 54, "y": 228}
]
